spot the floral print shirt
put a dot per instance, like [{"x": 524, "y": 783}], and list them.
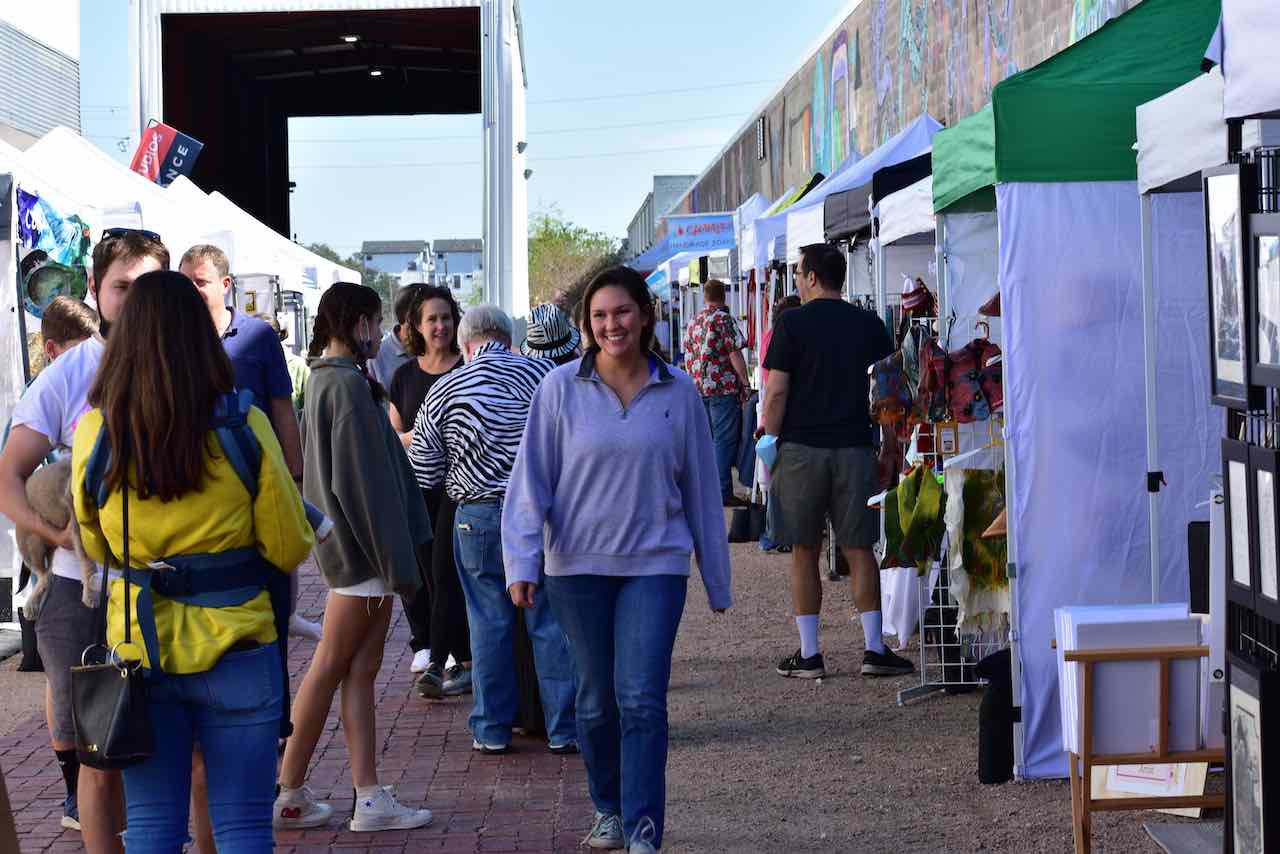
[{"x": 711, "y": 337}]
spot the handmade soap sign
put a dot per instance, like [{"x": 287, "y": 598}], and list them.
[{"x": 53, "y": 253}]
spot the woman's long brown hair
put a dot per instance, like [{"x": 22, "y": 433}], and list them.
[{"x": 163, "y": 370}]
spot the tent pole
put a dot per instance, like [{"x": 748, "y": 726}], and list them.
[
  {"x": 882, "y": 288},
  {"x": 1014, "y": 571},
  {"x": 1149, "y": 358},
  {"x": 940, "y": 250}
]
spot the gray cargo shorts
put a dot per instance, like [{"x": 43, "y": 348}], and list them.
[
  {"x": 64, "y": 629},
  {"x": 811, "y": 484}
]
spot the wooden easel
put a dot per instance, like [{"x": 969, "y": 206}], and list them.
[{"x": 1082, "y": 800}]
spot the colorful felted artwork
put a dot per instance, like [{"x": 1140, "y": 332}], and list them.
[
  {"x": 984, "y": 559},
  {"x": 920, "y": 515},
  {"x": 53, "y": 253}
]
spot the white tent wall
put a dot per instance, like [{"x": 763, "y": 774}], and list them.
[
  {"x": 1189, "y": 428},
  {"x": 862, "y": 279},
  {"x": 1073, "y": 374},
  {"x": 11, "y": 350},
  {"x": 804, "y": 226},
  {"x": 971, "y": 247},
  {"x": 1251, "y": 30},
  {"x": 1180, "y": 132},
  {"x": 908, "y": 260},
  {"x": 906, "y": 212}
]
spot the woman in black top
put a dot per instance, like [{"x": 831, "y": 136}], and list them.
[{"x": 438, "y": 614}]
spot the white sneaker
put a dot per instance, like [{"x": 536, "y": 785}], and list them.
[
  {"x": 384, "y": 812},
  {"x": 299, "y": 627},
  {"x": 298, "y": 808},
  {"x": 421, "y": 659}
]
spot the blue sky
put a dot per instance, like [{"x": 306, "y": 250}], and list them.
[{"x": 618, "y": 92}]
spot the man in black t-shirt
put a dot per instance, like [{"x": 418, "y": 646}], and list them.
[{"x": 816, "y": 404}]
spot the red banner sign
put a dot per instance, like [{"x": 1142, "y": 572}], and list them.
[{"x": 164, "y": 153}]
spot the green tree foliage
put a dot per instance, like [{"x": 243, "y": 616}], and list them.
[
  {"x": 384, "y": 283},
  {"x": 563, "y": 256}
]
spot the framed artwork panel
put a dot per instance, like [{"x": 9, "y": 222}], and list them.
[
  {"x": 1264, "y": 478},
  {"x": 1253, "y": 792},
  {"x": 1230, "y": 318},
  {"x": 1241, "y": 548},
  {"x": 1264, "y": 276}
]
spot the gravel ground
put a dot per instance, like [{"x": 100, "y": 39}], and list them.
[{"x": 762, "y": 763}]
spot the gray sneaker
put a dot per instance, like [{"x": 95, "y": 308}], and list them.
[
  {"x": 431, "y": 683},
  {"x": 458, "y": 681},
  {"x": 606, "y": 832}
]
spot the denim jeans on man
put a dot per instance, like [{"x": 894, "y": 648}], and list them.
[
  {"x": 725, "y": 414},
  {"x": 622, "y": 631},
  {"x": 478, "y": 553},
  {"x": 233, "y": 711}
]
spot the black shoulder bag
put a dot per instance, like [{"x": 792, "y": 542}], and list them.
[{"x": 109, "y": 699}]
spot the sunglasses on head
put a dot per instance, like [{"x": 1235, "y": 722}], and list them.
[{"x": 122, "y": 232}]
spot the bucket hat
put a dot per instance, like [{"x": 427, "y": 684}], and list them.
[{"x": 550, "y": 334}]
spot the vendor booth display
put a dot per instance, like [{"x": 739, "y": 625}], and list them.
[
  {"x": 1180, "y": 135},
  {"x": 1057, "y": 146},
  {"x": 46, "y": 235}
]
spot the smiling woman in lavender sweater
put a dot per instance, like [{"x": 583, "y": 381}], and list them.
[{"x": 614, "y": 489}]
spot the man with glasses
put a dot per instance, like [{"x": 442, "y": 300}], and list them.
[
  {"x": 44, "y": 421},
  {"x": 816, "y": 404}
]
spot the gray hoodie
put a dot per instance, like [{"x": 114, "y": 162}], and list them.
[{"x": 356, "y": 471}]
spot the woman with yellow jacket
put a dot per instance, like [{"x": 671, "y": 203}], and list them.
[{"x": 214, "y": 523}]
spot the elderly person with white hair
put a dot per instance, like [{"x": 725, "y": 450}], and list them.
[{"x": 466, "y": 437}]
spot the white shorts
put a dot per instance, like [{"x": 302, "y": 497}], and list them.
[{"x": 373, "y": 588}]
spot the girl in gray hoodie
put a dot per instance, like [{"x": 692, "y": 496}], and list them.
[
  {"x": 355, "y": 470},
  {"x": 614, "y": 490}
]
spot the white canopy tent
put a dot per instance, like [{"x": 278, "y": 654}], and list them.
[
  {"x": 1250, "y": 32},
  {"x": 17, "y": 172},
  {"x": 126, "y": 199}
]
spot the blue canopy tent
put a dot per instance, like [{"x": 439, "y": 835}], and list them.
[{"x": 802, "y": 222}]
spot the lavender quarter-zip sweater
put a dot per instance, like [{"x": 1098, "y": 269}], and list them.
[{"x": 603, "y": 489}]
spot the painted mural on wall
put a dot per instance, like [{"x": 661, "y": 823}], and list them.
[{"x": 890, "y": 62}]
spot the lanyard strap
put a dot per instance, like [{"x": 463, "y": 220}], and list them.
[{"x": 105, "y": 593}]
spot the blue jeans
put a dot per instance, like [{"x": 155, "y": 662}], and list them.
[
  {"x": 725, "y": 415},
  {"x": 477, "y": 544},
  {"x": 622, "y": 631},
  {"x": 234, "y": 712}
]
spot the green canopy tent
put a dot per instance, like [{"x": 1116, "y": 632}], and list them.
[{"x": 1053, "y": 156}]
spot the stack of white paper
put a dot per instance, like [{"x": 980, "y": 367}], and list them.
[{"x": 1126, "y": 695}]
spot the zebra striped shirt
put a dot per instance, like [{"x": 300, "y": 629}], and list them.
[{"x": 470, "y": 426}]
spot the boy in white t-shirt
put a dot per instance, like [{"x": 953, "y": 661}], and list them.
[
  {"x": 66, "y": 323},
  {"x": 45, "y": 420}
]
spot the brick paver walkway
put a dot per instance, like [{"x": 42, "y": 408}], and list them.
[{"x": 528, "y": 800}]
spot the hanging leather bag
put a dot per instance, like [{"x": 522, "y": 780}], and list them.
[{"x": 109, "y": 699}]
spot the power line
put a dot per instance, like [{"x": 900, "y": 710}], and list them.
[
  {"x": 478, "y": 162},
  {"x": 655, "y": 92},
  {"x": 531, "y": 133}
]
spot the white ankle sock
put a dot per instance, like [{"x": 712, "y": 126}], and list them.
[
  {"x": 872, "y": 628},
  {"x": 808, "y": 626}
]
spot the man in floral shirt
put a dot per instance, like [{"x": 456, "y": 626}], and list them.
[{"x": 713, "y": 357}]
